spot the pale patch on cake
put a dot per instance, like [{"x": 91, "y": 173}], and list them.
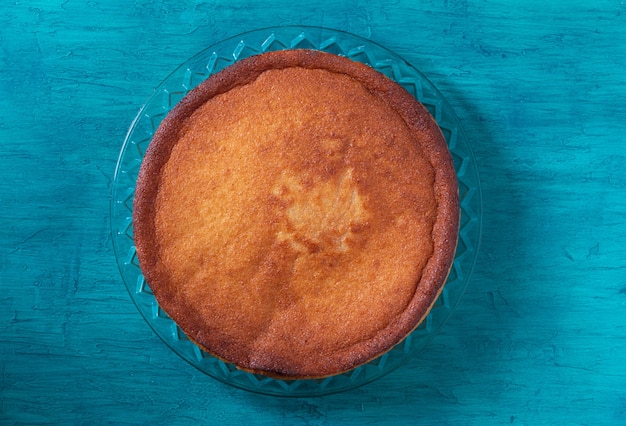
[{"x": 323, "y": 216}]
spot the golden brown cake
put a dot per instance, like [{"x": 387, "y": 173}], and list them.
[{"x": 297, "y": 214}]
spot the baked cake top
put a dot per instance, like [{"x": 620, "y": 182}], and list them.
[{"x": 297, "y": 214}]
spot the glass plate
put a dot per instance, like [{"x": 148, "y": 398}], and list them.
[{"x": 198, "y": 68}]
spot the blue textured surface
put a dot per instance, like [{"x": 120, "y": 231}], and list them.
[{"x": 540, "y": 336}]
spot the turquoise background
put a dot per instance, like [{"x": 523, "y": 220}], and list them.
[{"x": 539, "y": 337}]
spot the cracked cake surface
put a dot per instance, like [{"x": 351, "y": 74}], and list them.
[{"x": 297, "y": 214}]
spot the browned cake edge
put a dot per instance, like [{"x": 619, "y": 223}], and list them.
[{"x": 417, "y": 118}]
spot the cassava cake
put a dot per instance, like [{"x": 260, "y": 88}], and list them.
[{"x": 297, "y": 214}]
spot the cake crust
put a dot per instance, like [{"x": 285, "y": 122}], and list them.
[{"x": 297, "y": 214}]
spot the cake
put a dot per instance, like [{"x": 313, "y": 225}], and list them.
[{"x": 297, "y": 214}]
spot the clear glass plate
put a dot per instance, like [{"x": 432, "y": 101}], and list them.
[{"x": 198, "y": 68}]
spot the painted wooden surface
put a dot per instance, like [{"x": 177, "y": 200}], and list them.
[{"x": 540, "y": 336}]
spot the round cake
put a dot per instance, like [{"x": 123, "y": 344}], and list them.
[{"x": 297, "y": 214}]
